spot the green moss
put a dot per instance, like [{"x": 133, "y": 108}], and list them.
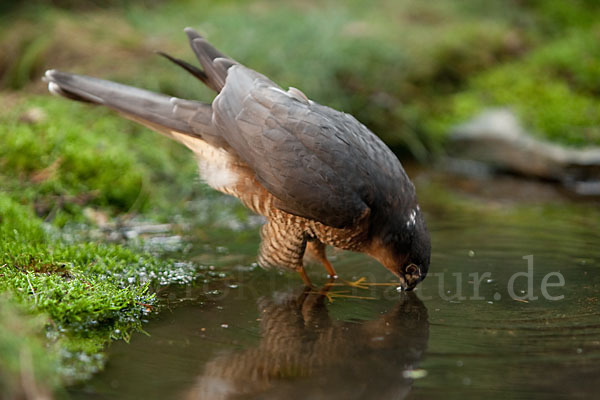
[
  {"x": 555, "y": 96},
  {"x": 556, "y": 16},
  {"x": 58, "y": 157},
  {"x": 79, "y": 155},
  {"x": 90, "y": 293}
]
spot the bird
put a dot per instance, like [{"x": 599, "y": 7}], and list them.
[
  {"x": 305, "y": 353},
  {"x": 318, "y": 176}
]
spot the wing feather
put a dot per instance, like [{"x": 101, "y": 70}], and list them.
[{"x": 319, "y": 163}]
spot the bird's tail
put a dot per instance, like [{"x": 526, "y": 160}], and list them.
[
  {"x": 157, "y": 111},
  {"x": 167, "y": 115}
]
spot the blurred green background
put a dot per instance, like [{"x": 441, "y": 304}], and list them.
[
  {"x": 405, "y": 68},
  {"x": 408, "y": 69}
]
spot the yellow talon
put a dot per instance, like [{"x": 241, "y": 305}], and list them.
[{"x": 359, "y": 283}]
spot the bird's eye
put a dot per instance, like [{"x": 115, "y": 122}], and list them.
[{"x": 412, "y": 269}]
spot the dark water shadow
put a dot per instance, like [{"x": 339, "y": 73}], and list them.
[{"x": 305, "y": 354}]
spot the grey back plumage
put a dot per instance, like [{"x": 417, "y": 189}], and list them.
[{"x": 319, "y": 163}]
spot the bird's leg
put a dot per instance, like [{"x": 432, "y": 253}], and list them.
[
  {"x": 316, "y": 250},
  {"x": 282, "y": 246}
]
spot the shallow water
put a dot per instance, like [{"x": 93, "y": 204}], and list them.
[{"x": 465, "y": 333}]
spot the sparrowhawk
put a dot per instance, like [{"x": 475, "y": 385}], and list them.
[{"x": 318, "y": 175}]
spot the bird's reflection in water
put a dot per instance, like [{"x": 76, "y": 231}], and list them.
[{"x": 304, "y": 354}]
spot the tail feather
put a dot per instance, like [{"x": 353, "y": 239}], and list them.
[
  {"x": 192, "y": 69},
  {"x": 214, "y": 63},
  {"x": 210, "y": 51},
  {"x": 159, "y": 112}
]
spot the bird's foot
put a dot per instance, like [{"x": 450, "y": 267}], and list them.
[
  {"x": 331, "y": 295},
  {"x": 360, "y": 283}
]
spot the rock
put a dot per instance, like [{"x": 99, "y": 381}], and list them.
[{"x": 497, "y": 139}]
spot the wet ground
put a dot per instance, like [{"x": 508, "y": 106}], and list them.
[{"x": 510, "y": 309}]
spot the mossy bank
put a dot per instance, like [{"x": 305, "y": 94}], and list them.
[{"x": 64, "y": 297}]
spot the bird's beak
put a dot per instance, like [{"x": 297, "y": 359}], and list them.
[{"x": 413, "y": 277}]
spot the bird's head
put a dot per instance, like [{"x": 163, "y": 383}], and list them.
[{"x": 404, "y": 248}]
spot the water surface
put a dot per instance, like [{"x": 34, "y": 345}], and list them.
[{"x": 260, "y": 335}]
